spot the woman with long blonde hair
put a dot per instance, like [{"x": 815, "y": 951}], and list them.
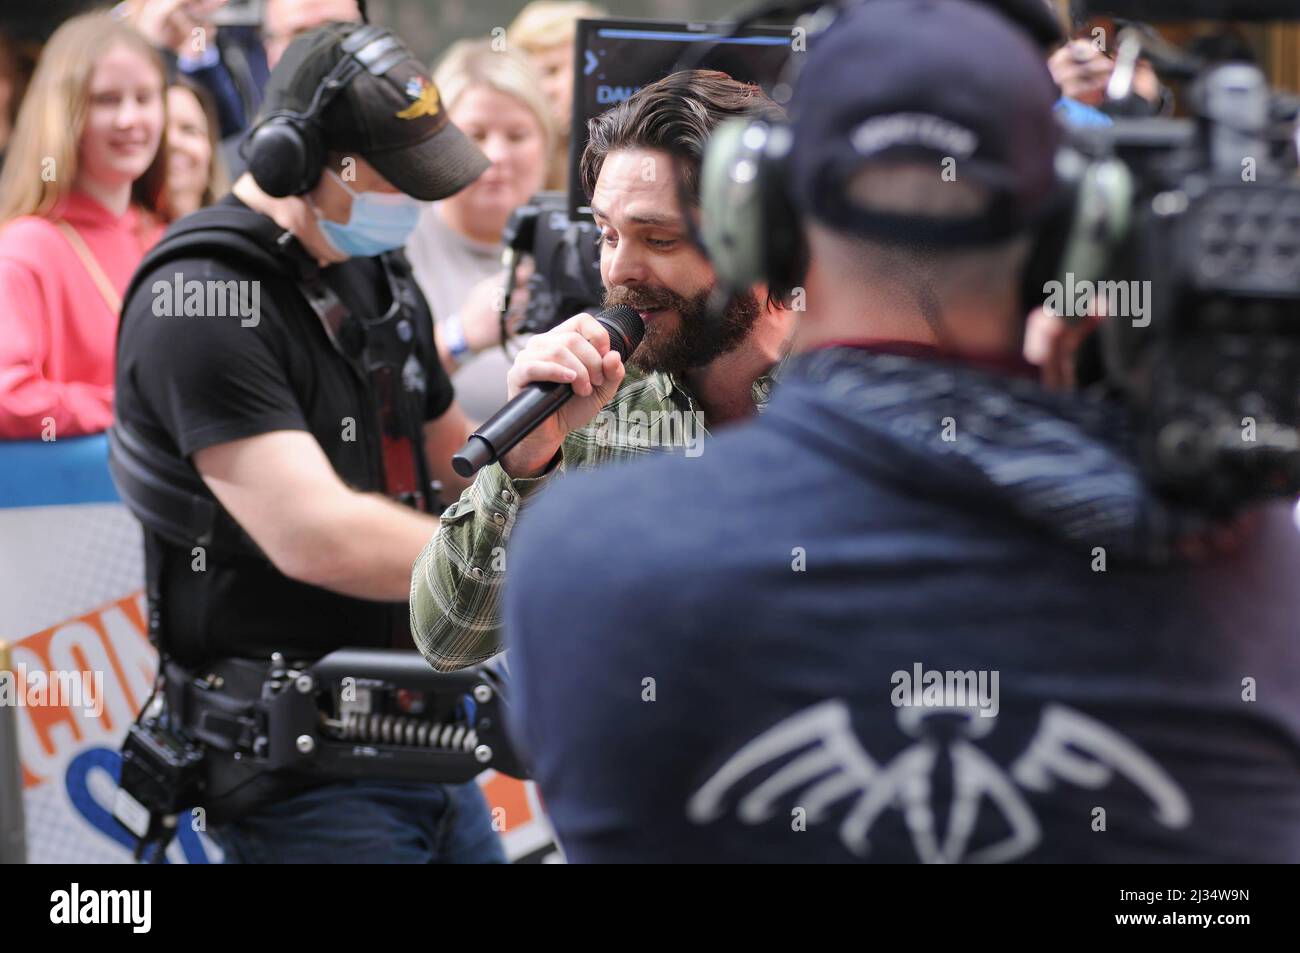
[{"x": 82, "y": 197}]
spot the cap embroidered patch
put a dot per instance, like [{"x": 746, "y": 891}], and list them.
[{"x": 425, "y": 96}]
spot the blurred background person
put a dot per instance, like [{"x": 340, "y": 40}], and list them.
[
  {"x": 231, "y": 61},
  {"x": 456, "y": 250},
  {"x": 82, "y": 198},
  {"x": 545, "y": 30},
  {"x": 227, "y": 60},
  {"x": 283, "y": 20},
  {"x": 196, "y": 175},
  {"x": 1082, "y": 68}
]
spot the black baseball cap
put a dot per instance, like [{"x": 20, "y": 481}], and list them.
[
  {"x": 390, "y": 113},
  {"x": 927, "y": 80}
]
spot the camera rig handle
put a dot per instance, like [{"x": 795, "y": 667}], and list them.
[{"x": 385, "y": 712}]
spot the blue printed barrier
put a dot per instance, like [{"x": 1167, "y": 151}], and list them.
[
  {"x": 72, "y": 604},
  {"x": 60, "y": 472}
]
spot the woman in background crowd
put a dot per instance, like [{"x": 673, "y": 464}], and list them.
[
  {"x": 196, "y": 175},
  {"x": 456, "y": 251},
  {"x": 227, "y": 60},
  {"x": 545, "y": 31},
  {"x": 82, "y": 198}
]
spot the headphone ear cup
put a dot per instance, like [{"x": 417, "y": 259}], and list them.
[
  {"x": 1048, "y": 249},
  {"x": 284, "y": 157},
  {"x": 778, "y": 226},
  {"x": 729, "y": 203},
  {"x": 1088, "y": 220},
  {"x": 750, "y": 229}
]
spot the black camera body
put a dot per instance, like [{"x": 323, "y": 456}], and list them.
[
  {"x": 1213, "y": 366},
  {"x": 566, "y": 257},
  {"x": 163, "y": 773}
]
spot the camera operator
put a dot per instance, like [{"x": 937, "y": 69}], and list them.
[
  {"x": 691, "y": 375},
  {"x": 306, "y": 431},
  {"x": 923, "y": 609}
]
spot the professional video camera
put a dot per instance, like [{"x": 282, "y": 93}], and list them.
[
  {"x": 566, "y": 262},
  {"x": 1213, "y": 224}
]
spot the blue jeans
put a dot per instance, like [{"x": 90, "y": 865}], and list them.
[{"x": 368, "y": 822}]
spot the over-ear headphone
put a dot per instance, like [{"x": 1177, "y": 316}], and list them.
[
  {"x": 285, "y": 151},
  {"x": 752, "y": 232},
  {"x": 748, "y": 225}
]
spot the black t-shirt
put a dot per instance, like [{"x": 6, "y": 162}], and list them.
[{"x": 186, "y": 383}]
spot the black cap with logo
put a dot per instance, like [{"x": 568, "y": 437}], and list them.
[{"x": 390, "y": 113}]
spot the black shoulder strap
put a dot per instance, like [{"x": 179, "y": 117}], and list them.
[
  {"x": 234, "y": 235},
  {"x": 164, "y": 493},
  {"x": 170, "y": 499}
]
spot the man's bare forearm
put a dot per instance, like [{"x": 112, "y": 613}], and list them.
[{"x": 368, "y": 548}]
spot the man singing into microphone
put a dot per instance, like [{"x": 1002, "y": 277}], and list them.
[{"x": 686, "y": 375}]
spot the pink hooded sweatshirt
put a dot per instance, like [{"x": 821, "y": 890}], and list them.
[{"x": 57, "y": 333}]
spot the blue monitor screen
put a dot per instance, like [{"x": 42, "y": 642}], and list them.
[{"x": 615, "y": 58}]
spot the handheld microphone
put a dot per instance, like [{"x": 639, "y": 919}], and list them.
[{"x": 518, "y": 418}]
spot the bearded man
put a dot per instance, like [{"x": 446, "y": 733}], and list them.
[{"x": 688, "y": 375}]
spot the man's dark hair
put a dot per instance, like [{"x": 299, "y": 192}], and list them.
[{"x": 677, "y": 115}]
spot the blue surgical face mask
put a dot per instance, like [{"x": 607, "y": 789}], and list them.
[{"x": 379, "y": 222}]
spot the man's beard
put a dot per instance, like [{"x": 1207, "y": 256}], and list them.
[{"x": 699, "y": 337}]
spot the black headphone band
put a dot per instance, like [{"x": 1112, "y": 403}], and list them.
[
  {"x": 360, "y": 56},
  {"x": 284, "y": 148},
  {"x": 333, "y": 84}
]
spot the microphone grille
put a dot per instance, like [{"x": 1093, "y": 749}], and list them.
[{"x": 625, "y": 327}]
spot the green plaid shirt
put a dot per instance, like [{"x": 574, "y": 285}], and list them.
[{"x": 456, "y": 582}]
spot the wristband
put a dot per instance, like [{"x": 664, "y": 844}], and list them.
[{"x": 454, "y": 334}]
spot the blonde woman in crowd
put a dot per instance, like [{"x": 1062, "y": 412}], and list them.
[
  {"x": 82, "y": 197},
  {"x": 545, "y": 31}
]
